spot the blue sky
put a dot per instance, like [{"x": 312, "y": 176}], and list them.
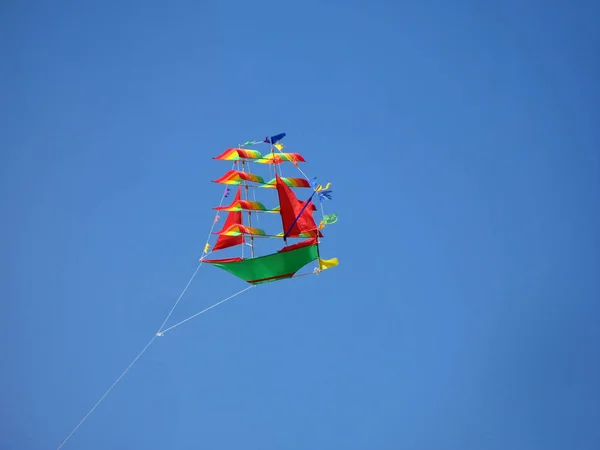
[{"x": 461, "y": 139}]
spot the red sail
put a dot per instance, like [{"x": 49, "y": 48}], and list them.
[
  {"x": 233, "y": 218},
  {"x": 294, "y": 210}
]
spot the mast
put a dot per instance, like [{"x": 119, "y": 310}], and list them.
[
  {"x": 249, "y": 213},
  {"x": 275, "y": 167}
]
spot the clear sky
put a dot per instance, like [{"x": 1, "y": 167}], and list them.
[{"x": 462, "y": 142}]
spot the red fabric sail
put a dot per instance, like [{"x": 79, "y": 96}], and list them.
[
  {"x": 233, "y": 218},
  {"x": 292, "y": 208},
  {"x": 306, "y": 243}
]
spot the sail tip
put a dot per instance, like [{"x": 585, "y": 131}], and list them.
[{"x": 234, "y": 154}]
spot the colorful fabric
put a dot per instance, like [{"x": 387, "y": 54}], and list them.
[
  {"x": 307, "y": 234},
  {"x": 235, "y": 154},
  {"x": 325, "y": 264},
  {"x": 245, "y": 205},
  {"x": 236, "y": 177},
  {"x": 269, "y": 268},
  {"x": 278, "y": 158},
  {"x": 237, "y": 229},
  {"x": 247, "y": 143},
  {"x": 291, "y": 182},
  {"x": 274, "y": 139},
  {"x": 296, "y": 216},
  {"x": 330, "y": 218},
  {"x": 226, "y": 241},
  {"x": 320, "y": 188},
  {"x": 300, "y": 244},
  {"x": 324, "y": 193}
]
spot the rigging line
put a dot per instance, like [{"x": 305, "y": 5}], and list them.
[
  {"x": 107, "y": 392},
  {"x": 180, "y": 297},
  {"x": 304, "y": 274},
  {"x": 207, "y": 309},
  {"x": 258, "y": 215}
]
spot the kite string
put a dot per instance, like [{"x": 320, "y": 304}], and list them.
[
  {"x": 223, "y": 301},
  {"x": 179, "y": 298},
  {"x": 107, "y": 392},
  {"x": 195, "y": 272},
  {"x": 207, "y": 309},
  {"x": 158, "y": 333}
]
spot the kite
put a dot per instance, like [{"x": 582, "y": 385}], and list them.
[
  {"x": 294, "y": 218},
  {"x": 297, "y": 217}
]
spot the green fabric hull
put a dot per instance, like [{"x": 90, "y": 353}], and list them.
[{"x": 274, "y": 267}]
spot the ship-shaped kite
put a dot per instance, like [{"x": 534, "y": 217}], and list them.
[{"x": 297, "y": 216}]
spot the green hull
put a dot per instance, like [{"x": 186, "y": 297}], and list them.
[{"x": 274, "y": 267}]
